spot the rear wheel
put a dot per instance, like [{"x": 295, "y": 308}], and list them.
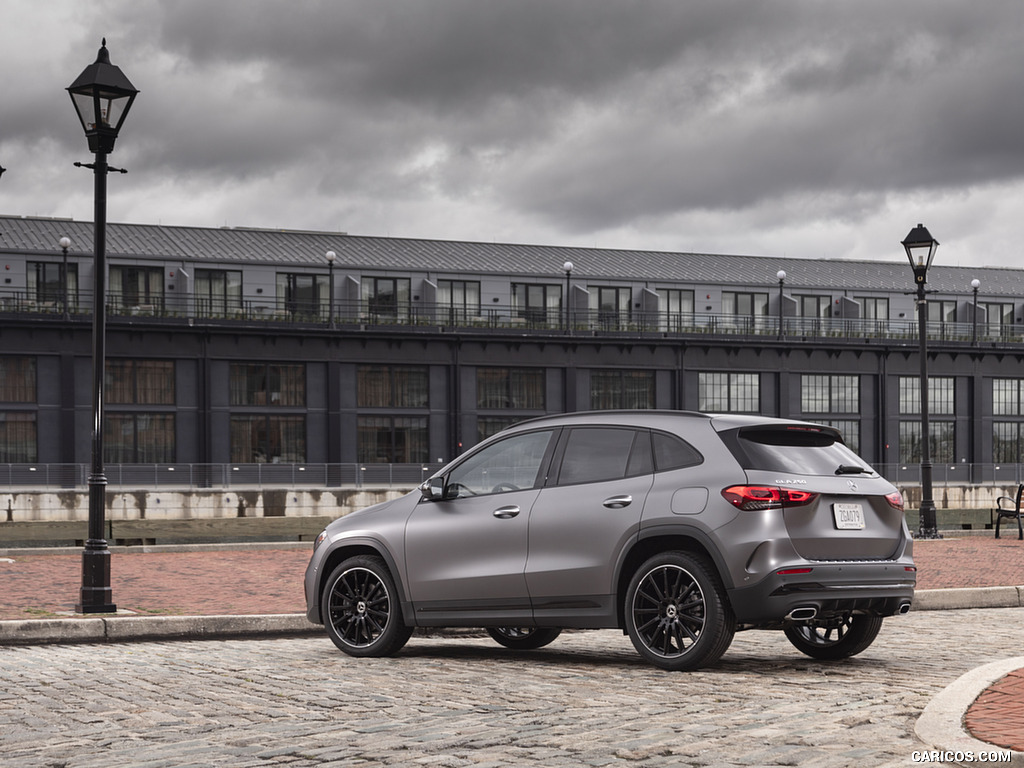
[
  {"x": 837, "y": 638},
  {"x": 361, "y": 609},
  {"x": 676, "y": 612},
  {"x": 523, "y": 638}
]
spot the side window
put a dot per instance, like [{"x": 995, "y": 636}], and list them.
[
  {"x": 508, "y": 465},
  {"x": 672, "y": 453},
  {"x": 596, "y": 454}
]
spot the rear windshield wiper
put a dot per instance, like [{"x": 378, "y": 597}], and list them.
[{"x": 847, "y": 469}]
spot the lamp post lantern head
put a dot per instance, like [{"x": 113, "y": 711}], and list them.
[
  {"x": 781, "y": 274},
  {"x": 975, "y": 284},
  {"x": 568, "y": 267},
  {"x": 920, "y": 247},
  {"x": 64, "y": 243},
  {"x": 330, "y": 256},
  {"x": 102, "y": 96}
]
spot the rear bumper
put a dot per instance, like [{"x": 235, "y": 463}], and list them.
[{"x": 876, "y": 588}]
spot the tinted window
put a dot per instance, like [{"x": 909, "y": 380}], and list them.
[
  {"x": 672, "y": 453},
  {"x": 798, "y": 450},
  {"x": 507, "y": 465},
  {"x": 599, "y": 453}
]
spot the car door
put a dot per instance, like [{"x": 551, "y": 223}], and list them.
[
  {"x": 584, "y": 519},
  {"x": 466, "y": 552}
]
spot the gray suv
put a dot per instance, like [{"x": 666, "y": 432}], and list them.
[{"x": 678, "y": 528}]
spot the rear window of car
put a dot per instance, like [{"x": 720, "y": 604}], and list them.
[{"x": 796, "y": 450}]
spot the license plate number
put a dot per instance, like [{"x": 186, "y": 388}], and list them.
[{"x": 848, "y": 517}]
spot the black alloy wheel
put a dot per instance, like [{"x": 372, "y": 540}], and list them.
[
  {"x": 361, "y": 609},
  {"x": 524, "y": 638},
  {"x": 837, "y": 638}
]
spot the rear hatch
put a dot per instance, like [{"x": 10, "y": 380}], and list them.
[{"x": 834, "y": 506}]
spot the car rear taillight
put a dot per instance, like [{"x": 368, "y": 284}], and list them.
[
  {"x": 751, "y": 498},
  {"x": 895, "y": 500}
]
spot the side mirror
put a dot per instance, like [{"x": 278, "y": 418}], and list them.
[{"x": 433, "y": 489}]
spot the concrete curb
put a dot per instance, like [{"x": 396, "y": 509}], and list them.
[
  {"x": 969, "y": 597},
  {"x": 941, "y": 725}
]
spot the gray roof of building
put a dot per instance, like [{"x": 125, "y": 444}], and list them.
[{"x": 39, "y": 236}]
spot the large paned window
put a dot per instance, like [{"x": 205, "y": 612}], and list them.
[
  {"x": 537, "y": 303},
  {"x": 612, "y": 305},
  {"x": 814, "y": 306},
  {"x": 675, "y": 309},
  {"x": 303, "y": 296},
  {"x": 45, "y": 284},
  {"x": 492, "y": 425},
  {"x": 268, "y": 384},
  {"x": 392, "y": 386},
  {"x": 458, "y": 301},
  {"x": 826, "y": 394},
  {"x": 218, "y": 292},
  {"x": 941, "y": 311},
  {"x": 998, "y": 316},
  {"x": 392, "y": 439},
  {"x": 873, "y": 308},
  {"x": 941, "y": 391},
  {"x": 18, "y": 434},
  {"x": 132, "y": 435},
  {"x": 268, "y": 438},
  {"x": 386, "y": 298},
  {"x": 729, "y": 392},
  {"x": 521, "y": 388},
  {"x": 616, "y": 389},
  {"x": 744, "y": 312},
  {"x": 1007, "y": 434},
  {"x": 139, "y": 288}
]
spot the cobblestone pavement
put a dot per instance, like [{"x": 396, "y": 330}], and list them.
[{"x": 586, "y": 700}]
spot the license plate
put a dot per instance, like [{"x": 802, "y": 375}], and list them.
[{"x": 848, "y": 517}]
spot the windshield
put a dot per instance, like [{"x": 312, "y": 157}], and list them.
[{"x": 800, "y": 450}]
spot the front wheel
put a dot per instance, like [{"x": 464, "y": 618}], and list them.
[
  {"x": 837, "y": 638},
  {"x": 676, "y": 612},
  {"x": 523, "y": 638},
  {"x": 361, "y": 609}
]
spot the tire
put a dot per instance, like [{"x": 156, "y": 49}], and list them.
[
  {"x": 835, "y": 639},
  {"x": 361, "y": 609},
  {"x": 523, "y": 638},
  {"x": 676, "y": 612}
]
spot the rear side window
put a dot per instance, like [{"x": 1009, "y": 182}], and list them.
[
  {"x": 596, "y": 454},
  {"x": 670, "y": 452},
  {"x": 795, "y": 450}
]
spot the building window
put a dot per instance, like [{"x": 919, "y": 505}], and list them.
[
  {"x": 386, "y": 298},
  {"x": 510, "y": 388},
  {"x": 392, "y": 439},
  {"x": 814, "y": 306},
  {"x": 1006, "y": 397},
  {"x": 136, "y": 288},
  {"x": 729, "y": 392},
  {"x": 17, "y": 380},
  {"x": 1007, "y": 439},
  {"x": 303, "y": 296},
  {"x": 621, "y": 389},
  {"x": 940, "y": 395},
  {"x": 612, "y": 305},
  {"x": 998, "y": 316},
  {"x": 940, "y": 311},
  {"x": 138, "y": 438},
  {"x": 46, "y": 285},
  {"x": 218, "y": 292},
  {"x": 392, "y": 386},
  {"x": 941, "y": 446},
  {"x": 492, "y": 425},
  {"x": 829, "y": 394},
  {"x": 18, "y": 442},
  {"x": 140, "y": 382},
  {"x": 260, "y": 439},
  {"x": 458, "y": 301},
  {"x": 676, "y": 309},
  {"x": 872, "y": 308},
  {"x": 744, "y": 304},
  {"x": 537, "y": 303},
  {"x": 268, "y": 384}
]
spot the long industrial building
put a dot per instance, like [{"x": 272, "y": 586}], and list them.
[{"x": 248, "y": 347}]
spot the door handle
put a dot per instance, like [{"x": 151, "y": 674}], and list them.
[
  {"x": 504, "y": 513},
  {"x": 617, "y": 502}
]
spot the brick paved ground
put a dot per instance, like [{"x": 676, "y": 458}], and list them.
[
  {"x": 997, "y": 715},
  {"x": 270, "y": 581}
]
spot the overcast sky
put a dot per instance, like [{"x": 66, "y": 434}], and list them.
[{"x": 812, "y": 128}]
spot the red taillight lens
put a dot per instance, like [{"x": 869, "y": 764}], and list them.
[
  {"x": 751, "y": 498},
  {"x": 895, "y": 500}
]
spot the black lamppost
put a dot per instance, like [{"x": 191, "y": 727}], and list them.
[
  {"x": 567, "y": 267},
  {"x": 920, "y": 247},
  {"x": 975, "y": 285},
  {"x": 102, "y": 96},
  {"x": 781, "y": 274},
  {"x": 331, "y": 256},
  {"x": 65, "y": 243}
]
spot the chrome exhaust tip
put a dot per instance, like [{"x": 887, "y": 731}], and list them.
[
  {"x": 805, "y": 613},
  {"x": 904, "y": 609}
]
